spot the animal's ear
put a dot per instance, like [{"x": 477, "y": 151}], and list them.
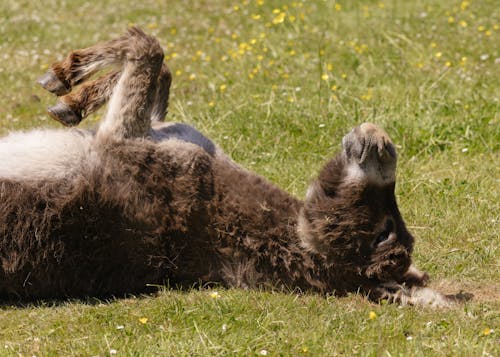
[{"x": 370, "y": 155}]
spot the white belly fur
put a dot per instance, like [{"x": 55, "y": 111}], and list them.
[{"x": 43, "y": 154}]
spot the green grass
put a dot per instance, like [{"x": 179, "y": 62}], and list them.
[{"x": 278, "y": 97}]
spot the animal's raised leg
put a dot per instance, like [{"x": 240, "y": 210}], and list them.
[
  {"x": 131, "y": 103},
  {"x": 72, "y": 108},
  {"x": 80, "y": 64},
  {"x": 160, "y": 105}
]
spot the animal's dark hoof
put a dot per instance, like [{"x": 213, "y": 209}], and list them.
[
  {"x": 50, "y": 82},
  {"x": 64, "y": 114}
]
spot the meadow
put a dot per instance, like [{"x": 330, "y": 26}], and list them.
[{"x": 277, "y": 84}]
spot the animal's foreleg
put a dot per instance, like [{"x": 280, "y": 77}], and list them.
[
  {"x": 416, "y": 295},
  {"x": 72, "y": 108}
]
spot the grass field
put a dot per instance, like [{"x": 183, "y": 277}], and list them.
[{"x": 277, "y": 84}]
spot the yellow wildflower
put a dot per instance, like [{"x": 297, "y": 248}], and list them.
[
  {"x": 481, "y": 28},
  {"x": 143, "y": 320},
  {"x": 487, "y": 331},
  {"x": 438, "y": 54},
  {"x": 276, "y": 11},
  {"x": 324, "y": 77},
  {"x": 256, "y": 16},
  {"x": 192, "y": 77},
  {"x": 334, "y": 88},
  {"x": 451, "y": 19},
  {"x": 338, "y": 7},
  {"x": 215, "y": 294},
  {"x": 368, "y": 95},
  {"x": 222, "y": 88},
  {"x": 448, "y": 64},
  {"x": 487, "y": 33},
  {"x": 372, "y": 315},
  {"x": 279, "y": 19},
  {"x": 463, "y": 23}
]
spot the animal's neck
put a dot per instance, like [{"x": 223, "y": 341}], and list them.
[{"x": 257, "y": 224}]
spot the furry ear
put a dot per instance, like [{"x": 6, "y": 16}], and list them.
[{"x": 370, "y": 155}]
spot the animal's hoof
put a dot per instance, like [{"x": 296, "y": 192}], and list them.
[
  {"x": 64, "y": 114},
  {"x": 50, "y": 82}
]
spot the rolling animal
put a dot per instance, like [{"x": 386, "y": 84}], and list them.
[{"x": 141, "y": 202}]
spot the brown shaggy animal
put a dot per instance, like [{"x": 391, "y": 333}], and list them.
[{"x": 136, "y": 204}]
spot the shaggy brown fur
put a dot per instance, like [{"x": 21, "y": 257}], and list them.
[{"x": 151, "y": 211}]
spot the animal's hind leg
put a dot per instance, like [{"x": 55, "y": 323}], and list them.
[
  {"x": 131, "y": 103},
  {"x": 80, "y": 64},
  {"x": 160, "y": 105},
  {"x": 72, "y": 108}
]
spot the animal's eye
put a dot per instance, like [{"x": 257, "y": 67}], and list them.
[{"x": 382, "y": 237}]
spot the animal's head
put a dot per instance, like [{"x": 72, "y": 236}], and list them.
[{"x": 351, "y": 218}]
